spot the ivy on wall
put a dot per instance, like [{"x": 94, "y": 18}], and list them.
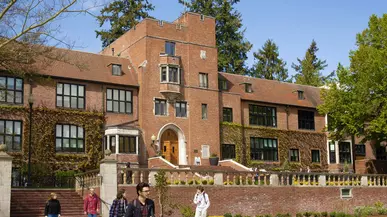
[
  {"x": 304, "y": 141},
  {"x": 44, "y": 122}
]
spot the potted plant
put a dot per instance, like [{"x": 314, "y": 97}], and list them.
[{"x": 214, "y": 160}]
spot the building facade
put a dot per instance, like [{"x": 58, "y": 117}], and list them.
[{"x": 157, "y": 90}]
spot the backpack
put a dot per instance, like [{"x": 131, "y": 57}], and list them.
[{"x": 204, "y": 197}]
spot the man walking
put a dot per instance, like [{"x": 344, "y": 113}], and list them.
[
  {"x": 142, "y": 206},
  {"x": 202, "y": 202},
  {"x": 91, "y": 204}
]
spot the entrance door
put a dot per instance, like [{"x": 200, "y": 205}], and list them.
[{"x": 170, "y": 146}]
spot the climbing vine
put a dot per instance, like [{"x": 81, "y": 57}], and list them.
[
  {"x": 44, "y": 121},
  {"x": 305, "y": 142}
]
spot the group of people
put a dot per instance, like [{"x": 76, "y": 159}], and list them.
[{"x": 142, "y": 206}]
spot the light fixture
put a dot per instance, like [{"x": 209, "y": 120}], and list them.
[{"x": 153, "y": 138}]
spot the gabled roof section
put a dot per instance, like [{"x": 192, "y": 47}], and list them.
[
  {"x": 271, "y": 91},
  {"x": 89, "y": 67}
]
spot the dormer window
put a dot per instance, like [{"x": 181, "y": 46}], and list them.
[
  {"x": 170, "y": 73},
  {"x": 300, "y": 94},
  {"x": 248, "y": 88},
  {"x": 116, "y": 70}
]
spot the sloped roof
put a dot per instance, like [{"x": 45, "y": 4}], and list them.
[{"x": 272, "y": 91}]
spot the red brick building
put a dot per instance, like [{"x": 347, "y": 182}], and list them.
[{"x": 158, "y": 89}]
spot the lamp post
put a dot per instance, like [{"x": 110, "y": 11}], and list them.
[{"x": 30, "y": 102}]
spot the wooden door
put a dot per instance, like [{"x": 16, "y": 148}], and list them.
[{"x": 174, "y": 152}]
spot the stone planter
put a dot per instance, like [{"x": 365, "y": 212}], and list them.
[{"x": 214, "y": 161}]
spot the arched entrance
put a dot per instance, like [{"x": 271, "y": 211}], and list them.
[{"x": 172, "y": 144}]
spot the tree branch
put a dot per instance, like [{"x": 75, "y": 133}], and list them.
[{"x": 7, "y": 8}]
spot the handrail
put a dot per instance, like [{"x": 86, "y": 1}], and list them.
[{"x": 88, "y": 187}]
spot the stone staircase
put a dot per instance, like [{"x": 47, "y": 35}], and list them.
[{"x": 31, "y": 202}]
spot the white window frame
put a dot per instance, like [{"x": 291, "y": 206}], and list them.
[
  {"x": 204, "y": 76},
  {"x": 167, "y": 76},
  {"x": 337, "y": 153},
  {"x": 208, "y": 151}
]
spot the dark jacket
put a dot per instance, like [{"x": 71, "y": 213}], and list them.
[
  {"x": 52, "y": 207},
  {"x": 134, "y": 208}
]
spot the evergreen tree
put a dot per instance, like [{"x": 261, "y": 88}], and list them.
[
  {"x": 230, "y": 41},
  {"x": 309, "y": 69},
  {"x": 122, "y": 15},
  {"x": 268, "y": 64}
]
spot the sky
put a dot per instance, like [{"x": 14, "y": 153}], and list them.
[{"x": 292, "y": 24}]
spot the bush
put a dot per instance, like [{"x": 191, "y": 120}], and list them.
[
  {"x": 197, "y": 182},
  {"x": 299, "y": 215},
  {"x": 211, "y": 182},
  {"x": 204, "y": 182},
  {"x": 190, "y": 182},
  {"x": 227, "y": 215},
  {"x": 187, "y": 211},
  {"x": 307, "y": 214},
  {"x": 176, "y": 182},
  {"x": 324, "y": 214},
  {"x": 238, "y": 215},
  {"x": 182, "y": 182}
]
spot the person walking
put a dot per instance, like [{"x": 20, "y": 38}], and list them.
[
  {"x": 142, "y": 206},
  {"x": 52, "y": 208},
  {"x": 91, "y": 204},
  {"x": 119, "y": 205},
  {"x": 202, "y": 202}
]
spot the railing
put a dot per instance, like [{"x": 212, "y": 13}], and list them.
[
  {"x": 47, "y": 182},
  {"x": 88, "y": 179},
  {"x": 186, "y": 177}
]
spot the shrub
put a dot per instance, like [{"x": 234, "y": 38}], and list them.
[
  {"x": 182, "y": 182},
  {"x": 227, "y": 215},
  {"x": 211, "y": 182},
  {"x": 190, "y": 182},
  {"x": 187, "y": 211},
  {"x": 204, "y": 182},
  {"x": 316, "y": 214},
  {"x": 324, "y": 214},
  {"x": 267, "y": 216},
  {"x": 238, "y": 215},
  {"x": 299, "y": 215},
  {"x": 176, "y": 182},
  {"x": 332, "y": 214},
  {"x": 197, "y": 182},
  {"x": 307, "y": 214}
]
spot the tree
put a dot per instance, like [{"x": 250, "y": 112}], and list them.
[
  {"x": 230, "y": 41},
  {"x": 122, "y": 15},
  {"x": 28, "y": 33},
  {"x": 356, "y": 100},
  {"x": 309, "y": 69},
  {"x": 269, "y": 65}
]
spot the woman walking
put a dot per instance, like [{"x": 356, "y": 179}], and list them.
[
  {"x": 119, "y": 205},
  {"x": 52, "y": 207}
]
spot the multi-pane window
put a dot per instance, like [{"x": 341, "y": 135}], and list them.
[
  {"x": 70, "y": 96},
  {"x": 222, "y": 84},
  {"x": 315, "y": 156},
  {"x": 332, "y": 152},
  {"x": 116, "y": 69},
  {"x": 227, "y": 114},
  {"x": 203, "y": 80},
  {"x": 228, "y": 151},
  {"x": 248, "y": 88},
  {"x": 11, "y": 90},
  {"x": 127, "y": 144},
  {"x": 360, "y": 149},
  {"x": 181, "y": 109},
  {"x": 170, "y": 73},
  {"x": 294, "y": 155},
  {"x": 305, "y": 120},
  {"x": 345, "y": 152},
  {"x": 170, "y": 48},
  {"x": 69, "y": 138},
  {"x": 263, "y": 149},
  {"x": 11, "y": 134},
  {"x": 119, "y": 101},
  {"x": 263, "y": 116},
  {"x": 160, "y": 107},
  {"x": 204, "y": 111}
]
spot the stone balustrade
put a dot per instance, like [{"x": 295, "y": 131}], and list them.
[
  {"x": 186, "y": 177},
  {"x": 90, "y": 179}
]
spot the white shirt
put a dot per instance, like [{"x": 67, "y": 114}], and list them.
[{"x": 202, "y": 201}]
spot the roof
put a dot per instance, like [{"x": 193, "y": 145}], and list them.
[
  {"x": 272, "y": 91},
  {"x": 90, "y": 67}
]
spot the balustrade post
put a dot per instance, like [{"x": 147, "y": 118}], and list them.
[{"x": 274, "y": 180}]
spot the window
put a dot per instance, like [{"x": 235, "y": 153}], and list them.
[
  {"x": 294, "y": 155},
  {"x": 204, "y": 111},
  {"x": 11, "y": 134},
  {"x": 160, "y": 107},
  {"x": 127, "y": 144},
  {"x": 205, "y": 151},
  {"x": 360, "y": 149},
  {"x": 305, "y": 120},
  {"x": 332, "y": 152},
  {"x": 262, "y": 116},
  {"x": 203, "y": 80},
  {"x": 170, "y": 48},
  {"x": 172, "y": 76},
  {"x": 70, "y": 96},
  {"x": 116, "y": 70},
  {"x": 11, "y": 90},
  {"x": 69, "y": 138},
  {"x": 222, "y": 84},
  {"x": 248, "y": 88},
  {"x": 263, "y": 149},
  {"x": 119, "y": 101},
  {"x": 345, "y": 193},
  {"x": 345, "y": 152},
  {"x": 181, "y": 109},
  {"x": 227, "y": 114},
  {"x": 381, "y": 153},
  {"x": 300, "y": 94},
  {"x": 201, "y": 17},
  {"x": 228, "y": 151},
  {"x": 315, "y": 156}
]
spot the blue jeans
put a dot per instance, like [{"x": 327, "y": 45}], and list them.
[
  {"x": 91, "y": 215},
  {"x": 52, "y": 215}
]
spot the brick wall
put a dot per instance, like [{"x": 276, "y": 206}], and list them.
[{"x": 272, "y": 200}]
